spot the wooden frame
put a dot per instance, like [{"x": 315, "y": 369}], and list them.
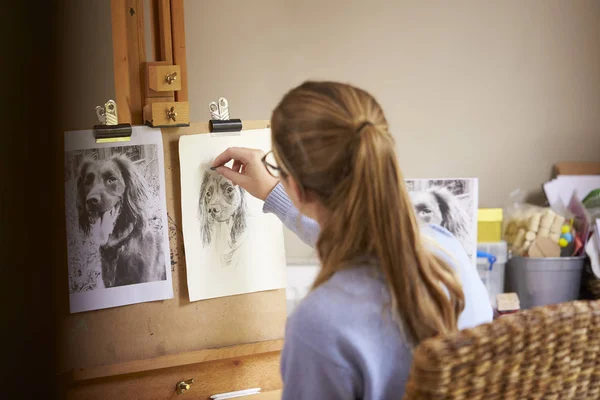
[
  {"x": 129, "y": 51},
  {"x": 179, "y": 49}
]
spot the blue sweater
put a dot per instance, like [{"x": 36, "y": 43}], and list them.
[{"x": 341, "y": 341}]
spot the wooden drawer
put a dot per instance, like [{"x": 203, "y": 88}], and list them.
[
  {"x": 156, "y": 73},
  {"x": 164, "y": 78},
  {"x": 220, "y": 376},
  {"x": 170, "y": 113}
]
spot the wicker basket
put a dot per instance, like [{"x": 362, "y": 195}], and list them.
[{"x": 550, "y": 352}]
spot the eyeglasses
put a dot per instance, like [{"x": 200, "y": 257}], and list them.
[{"x": 270, "y": 163}]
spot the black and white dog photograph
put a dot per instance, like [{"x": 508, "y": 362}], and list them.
[
  {"x": 450, "y": 203},
  {"x": 222, "y": 214},
  {"x": 115, "y": 218}
]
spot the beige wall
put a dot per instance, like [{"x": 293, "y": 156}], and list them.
[
  {"x": 499, "y": 90},
  {"x": 85, "y": 59}
]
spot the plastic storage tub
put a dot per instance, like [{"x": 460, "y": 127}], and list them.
[
  {"x": 544, "y": 281},
  {"x": 493, "y": 278}
]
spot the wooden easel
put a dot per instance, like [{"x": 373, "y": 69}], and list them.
[
  {"x": 144, "y": 350},
  {"x": 131, "y": 74}
]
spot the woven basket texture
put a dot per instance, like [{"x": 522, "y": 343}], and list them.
[{"x": 550, "y": 352}]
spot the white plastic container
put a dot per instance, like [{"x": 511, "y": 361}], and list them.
[
  {"x": 493, "y": 278},
  {"x": 300, "y": 278}
]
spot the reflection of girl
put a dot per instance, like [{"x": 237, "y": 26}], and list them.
[{"x": 384, "y": 285}]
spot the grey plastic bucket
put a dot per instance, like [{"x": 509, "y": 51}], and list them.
[{"x": 543, "y": 281}]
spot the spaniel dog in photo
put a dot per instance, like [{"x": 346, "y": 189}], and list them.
[
  {"x": 111, "y": 203},
  {"x": 222, "y": 215},
  {"x": 439, "y": 206}
]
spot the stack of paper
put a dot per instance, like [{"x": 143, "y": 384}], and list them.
[{"x": 559, "y": 191}]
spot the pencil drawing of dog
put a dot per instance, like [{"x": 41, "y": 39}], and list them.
[
  {"x": 222, "y": 215},
  {"x": 437, "y": 205},
  {"x": 111, "y": 203}
]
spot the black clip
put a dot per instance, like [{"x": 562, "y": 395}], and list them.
[
  {"x": 219, "y": 118},
  {"x": 108, "y": 130}
]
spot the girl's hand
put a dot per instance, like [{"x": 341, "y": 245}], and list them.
[{"x": 247, "y": 170}]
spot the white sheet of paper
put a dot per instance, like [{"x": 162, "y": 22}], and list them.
[
  {"x": 105, "y": 196},
  {"x": 597, "y": 232},
  {"x": 231, "y": 246},
  {"x": 559, "y": 190},
  {"x": 451, "y": 203}
]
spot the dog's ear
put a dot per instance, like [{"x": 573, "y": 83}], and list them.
[
  {"x": 82, "y": 213},
  {"x": 239, "y": 217},
  {"x": 203, "y": 219},
  {"x": 136, "y": 191},
  {"x": 454, "y": 219}
]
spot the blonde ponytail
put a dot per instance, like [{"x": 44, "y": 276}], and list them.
[{"x": 350, "y": 164}]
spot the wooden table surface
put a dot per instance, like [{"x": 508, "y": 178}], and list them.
[{"x": 271, "y": 395}]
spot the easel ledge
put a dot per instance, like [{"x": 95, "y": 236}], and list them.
[
  {"x": 175, "y": 360},
  {"x": 203, "y": 128}
]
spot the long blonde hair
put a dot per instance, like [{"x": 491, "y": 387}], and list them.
[{"x": 333, "y": 139}]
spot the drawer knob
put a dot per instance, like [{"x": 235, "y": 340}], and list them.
[
  {"x": 171, "y": 114},
  {"x": 184, "y": 386},
  {"x": 170, "y": 78}
]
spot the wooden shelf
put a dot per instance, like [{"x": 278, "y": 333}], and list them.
[
  {"x": 271, "y": 395},
  {"x": 176, "y": 360}
]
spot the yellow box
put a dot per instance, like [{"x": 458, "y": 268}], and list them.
[{"x": 489, "y": 225}]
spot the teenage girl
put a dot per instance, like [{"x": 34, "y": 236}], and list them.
[{"x": 386, "y": 283}]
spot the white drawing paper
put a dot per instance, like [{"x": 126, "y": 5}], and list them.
[
  {"x": 559, "y": 190},
  {"x": 231, "y": 246},
  {"x": 117, "y": 230},
  {"x": 450, "y": 203}
]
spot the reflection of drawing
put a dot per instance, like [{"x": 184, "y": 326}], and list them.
[
  {"x": 221, "y": 208},
  {"x": 449, "y": 203},
  {"x": 111, "y": 206}
]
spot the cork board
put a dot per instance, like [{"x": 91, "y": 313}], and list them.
[{"x": 172, "y": 326}]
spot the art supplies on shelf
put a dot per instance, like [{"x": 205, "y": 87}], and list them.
[
  {"x": 489, "y": 225},
  {"x": 560, "y": 189},
  {"x": 540, "y": 232},
  {"x": 559, "y": 231},
  {"x": 508, "y": 303},
  {"x": 551, "y": 246}
]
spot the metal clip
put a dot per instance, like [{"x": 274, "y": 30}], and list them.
[
  {"x": 214, "y": 110},
  {"x": 170, "y": 78},
  {"x": 184, "y": 386},
  {"x": 224, "y": 108},
  {"x": 107, "y": 114},
  {"x": 220, "y": 110}
]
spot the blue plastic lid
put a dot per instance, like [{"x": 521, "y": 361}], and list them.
[{"x": 490, "y": 257}]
